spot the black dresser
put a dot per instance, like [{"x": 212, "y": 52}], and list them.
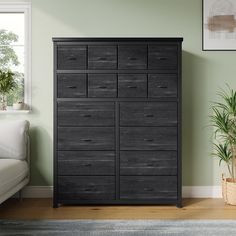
[{"x": 117, "y": 121}]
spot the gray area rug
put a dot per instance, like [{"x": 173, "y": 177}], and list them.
[{"x": 119, "y": 227}]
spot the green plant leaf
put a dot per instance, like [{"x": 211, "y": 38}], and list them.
[
  {"x": 223, "y": 120},
  {"x": 7, "y": 82},
  {"x": 223, "y": 152}
]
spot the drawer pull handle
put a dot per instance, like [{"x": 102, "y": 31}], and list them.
[
  {"x": 86, "y": 115},
  {"x": 162, "y": 58},
  {"x": 88, "y": 165},
  {"x": 132, "y": 58},
  {"x": 150, "y": 165},
  {"x": 102, "y": 87},
  {"x": 72, "y": 87},
  {"x": 102, "y": 58},
  {"x": 72, "y": 58},
  {"x": 162, "y": 86},
  {"x": 87, "y": 140},
  {"x": 88, "y": 190},
  {"x": 148, "y": 189},
  {"x": 149, "y": 115},
  {"x": 148, "y": 139},
  {"x": 132, "y": 87}
]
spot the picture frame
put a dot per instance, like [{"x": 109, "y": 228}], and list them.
[{"x": 218, "y": 25}]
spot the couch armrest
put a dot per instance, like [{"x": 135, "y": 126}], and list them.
[{"x": 14, "y": 140}]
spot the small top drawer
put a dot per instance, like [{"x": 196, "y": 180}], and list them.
[
  {"x": 132, "y": 85},
  {"x": 72, "y": 57},
  {"x": 162, "y": 57},
  {"x": 71, "y": 85},
  {"x": 102, "y": 85},
  {"x": 102, "y": 57},
  {"x": 132, "y": 57},
  {"x": 161, "y": 85}
]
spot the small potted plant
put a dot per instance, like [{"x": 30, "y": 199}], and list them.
[
  {"x": 223, "y": 119},
  {"x": 18, "y": 105},
  {"x": 7, "y": 83}
]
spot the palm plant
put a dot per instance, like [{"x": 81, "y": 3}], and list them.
[
  {"x": 7, "y": 84},
  {"x": 223, "y": 120}
]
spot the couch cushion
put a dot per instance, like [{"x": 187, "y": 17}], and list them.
[
  {"x": 12, "y": 172},
  {"x": 13, "y": 139}
]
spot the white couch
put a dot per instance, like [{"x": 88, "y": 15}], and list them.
[{"x": 14, "y": 157}]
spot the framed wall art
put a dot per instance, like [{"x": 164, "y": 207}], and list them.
[{"x": 219, "y": 25}]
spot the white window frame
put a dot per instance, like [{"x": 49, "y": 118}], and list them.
[{"x": 23, "y": 7}]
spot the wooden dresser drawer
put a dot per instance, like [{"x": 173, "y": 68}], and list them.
[
  {"x": 102, "y": 85},
  {"x": 71, "y": 85},
  {"x": 86, "y": 187},
  {"x": 132, "y": 85},
  {"x": 148, "y": 187},
  {"x": 132, "y": 57},
  {"x": 163, "y": 57},
  {"x": 148, "y": 163},
  {"x": 86, "y": 163},
  {"x": 85, "y": 113},
  {"x": 148, "y": 138},
  {"x": 74, "y": 138},
  {"x": 148, "y": 113},
  {"x": 102, "y": 57},
  {"x": 161, "y": 85},
  {"x": 71, "y": 57}
]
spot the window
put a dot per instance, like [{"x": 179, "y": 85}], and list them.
[{"x": 15, "y": 47}]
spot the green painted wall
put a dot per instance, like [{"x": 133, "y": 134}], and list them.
[{"x": 203, "y": 72}]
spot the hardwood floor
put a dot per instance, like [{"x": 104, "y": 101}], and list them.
[{"x": 42, "y": 209}]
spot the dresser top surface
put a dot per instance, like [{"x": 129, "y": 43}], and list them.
[{"x": 119, "y": 39}]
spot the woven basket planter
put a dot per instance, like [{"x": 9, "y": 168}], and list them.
[{"x": 229, "y": 190}]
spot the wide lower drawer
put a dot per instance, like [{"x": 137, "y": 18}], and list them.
[
  {"x": 148, "y": 187},
  {"x": 86, "y": 162},
  {"x": 86, "y": 113},
  {"x": 148, "y": 162},
  {"x": 86, "y": 187},
  {"x": 78, "y": 138},
  {"x": 148, "y": 113},
  {"x": 148, "y": 138}
]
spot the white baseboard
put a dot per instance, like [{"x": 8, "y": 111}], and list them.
[
  {"x": 202, "y": 192},
  {"x": 37, "y": 192},
  {"x": 188, "y": 192}
]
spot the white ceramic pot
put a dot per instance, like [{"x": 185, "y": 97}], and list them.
[{"x": 17, "y": 106}]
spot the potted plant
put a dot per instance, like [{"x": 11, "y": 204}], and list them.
[
  {"x": 18, "y": 105},
  {"x": 7, "y": 83},
  {"x": 223, "y": 119}
]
